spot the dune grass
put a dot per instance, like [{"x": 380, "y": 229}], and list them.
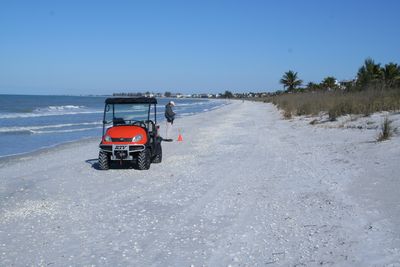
[
  {"x": 337, "y": 103},
  {"x": 387, "y": 130}
]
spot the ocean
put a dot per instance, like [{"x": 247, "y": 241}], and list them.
[{"x": 29, "y": 123}]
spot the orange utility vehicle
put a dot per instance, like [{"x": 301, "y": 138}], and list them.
[{"x": 129, "y": 135}]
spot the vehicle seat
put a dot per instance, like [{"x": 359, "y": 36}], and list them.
[
  {"x": 118, "y": 121},
  {"x": 151, "y": 127}
]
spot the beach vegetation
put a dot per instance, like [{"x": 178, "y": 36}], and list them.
[
  {"x": 391, "y": 75},
  {"x": 290, "y": 81},
  {"x": 287, "y": 114},
  {"x": 376, "y": 88},
  {"x": 227, "y": 94},
  {"x": 313, "y": 86},
  {"x": 369, "y": 74},
  {"x": 329, "y": 83},
  {"x": 386, "y": 130}
]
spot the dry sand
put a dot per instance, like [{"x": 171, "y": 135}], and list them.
[{"x": 244, "y": 188}]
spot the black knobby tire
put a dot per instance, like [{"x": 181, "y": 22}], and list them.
[
  {"x": 158, "y": 156},
  {"x": 104, "y": 160},
  {"x": 144, "y": 160}
]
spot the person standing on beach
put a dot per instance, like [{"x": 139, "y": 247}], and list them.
[{"x": 170, "y": 116}]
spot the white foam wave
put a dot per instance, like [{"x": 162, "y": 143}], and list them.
[
  {"x": 59, "y": 108},
  {"x": 66, "y": 131},
  {"x": 197, "y": 103},
  {"x": 35, "y": 129},
  {"x": 45, "y": 114}
]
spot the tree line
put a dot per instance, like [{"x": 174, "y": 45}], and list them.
[{"x": 369, "y": 75}]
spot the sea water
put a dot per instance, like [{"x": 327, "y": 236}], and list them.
[{"x": 29, "y": 123}]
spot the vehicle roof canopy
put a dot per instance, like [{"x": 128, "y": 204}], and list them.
[{"x": 131, "y": 100}]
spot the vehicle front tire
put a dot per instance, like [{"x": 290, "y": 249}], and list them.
[
  {"x": 104, "y": 160},
  {"x": 144, "y": 160},
  {"x": 158, "y": 157}
]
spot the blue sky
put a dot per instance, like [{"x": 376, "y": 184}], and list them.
[{"x": 99, "y": 47}]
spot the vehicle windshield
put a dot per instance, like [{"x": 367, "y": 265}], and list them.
[{"x": 126, "y": 113}]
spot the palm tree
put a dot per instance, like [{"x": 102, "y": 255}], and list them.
[
  {"x": 290, "y": 80},
  {"x": 391, "y": 75},
  {"x": 369, "y": 73},
  {"x": 329, "y": 83}
]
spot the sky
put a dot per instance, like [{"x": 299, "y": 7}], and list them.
[{"x": 101, "y": 47}]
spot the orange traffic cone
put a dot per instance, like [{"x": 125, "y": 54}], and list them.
[{"x": 180, "y": 138}]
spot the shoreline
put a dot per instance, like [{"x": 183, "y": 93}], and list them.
[
  {"x": 44, "y": 150},
  {"x": 83, "y": 139}
]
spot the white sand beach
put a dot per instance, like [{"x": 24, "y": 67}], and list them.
[{"x": 244, "y": 188}]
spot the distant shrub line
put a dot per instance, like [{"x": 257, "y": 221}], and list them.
[
  {"x": 374, "y": 89},
  {"x": 337, "y": 103}
]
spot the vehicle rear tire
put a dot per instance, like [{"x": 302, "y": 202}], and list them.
[
  {"x": 104, "y": 160},
  {"x": 158, "y": 157},
  {"x": 144, "y": 160}
]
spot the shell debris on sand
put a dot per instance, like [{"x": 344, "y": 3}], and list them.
[{"x": 245, "y": 188}]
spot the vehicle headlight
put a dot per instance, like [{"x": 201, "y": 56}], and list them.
[
  {"x": 107, "y": 138},
  {"x": 137, "y": 138}
]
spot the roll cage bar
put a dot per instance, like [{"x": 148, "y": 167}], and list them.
[{"x": 130, "y": 100}]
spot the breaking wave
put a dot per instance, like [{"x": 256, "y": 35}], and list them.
[
  {"x": 66, "y": 131},
  {"x": 46, "y": 128},
  {"x": 51, "y": 111},
  {"x": 60, "y": 108}
]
